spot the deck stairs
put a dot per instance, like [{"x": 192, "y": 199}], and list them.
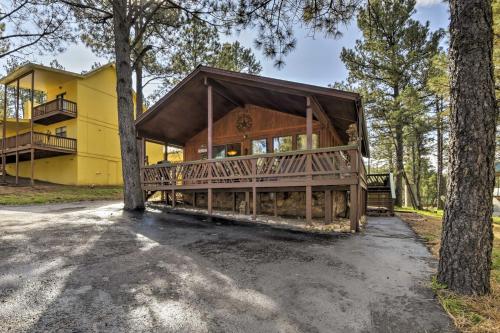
[{"x": 381, "y": 194}]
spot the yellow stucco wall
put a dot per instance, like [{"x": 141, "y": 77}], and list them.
[{"x": 98, "y": 158}]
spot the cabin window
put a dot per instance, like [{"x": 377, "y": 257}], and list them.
[
  {"x": 282, "y": 144},
  {"x": 259, "y": 146},
  {"x": 229, "y": 150},
  {"x": 61, "y": 131},
  {"x": 233, "y": 149},
  {"x": 302, "y": 141},
  {"x": 219, "y": 151}
]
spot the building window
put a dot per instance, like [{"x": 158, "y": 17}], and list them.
[
  {"x": 302, "y": 141},
  {"x": 229, "y": 150},
  {"x": 219, "y": 151},
  {"x": 259, "y": 146},
  {"x": 61, "y": 131},
  {"x": 282, "y": 144},
  {"x": 233, "y": 149}
]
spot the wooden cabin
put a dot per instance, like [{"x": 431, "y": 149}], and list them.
[{"x": 259, "y": 145}]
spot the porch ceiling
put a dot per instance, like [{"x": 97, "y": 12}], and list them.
[{"x": 182, "y": 112}]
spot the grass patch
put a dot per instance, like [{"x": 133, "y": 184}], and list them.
[
  {"x": 434, "y": 213},
  {"x": 42, "y": 194},
  {"x": 472, "y": 314}
]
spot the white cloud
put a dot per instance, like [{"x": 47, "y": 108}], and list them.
[{"x": 428, "y": 3}]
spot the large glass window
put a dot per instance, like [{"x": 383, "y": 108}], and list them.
[
  {"x": 259, "y": 146},
  {"x": 302, "y": 141},
  {"x": 229, "y": 150},
  {"x": 219, "y": 151},
  {"x": 233, "y": 149},
  {"x": 282, "y": 144}
]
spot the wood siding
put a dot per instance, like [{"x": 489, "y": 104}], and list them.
[{"x": 266, "y": 123}]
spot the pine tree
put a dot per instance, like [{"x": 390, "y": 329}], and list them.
[
  {"x": 199, "y": 44},
  {"x": 439, "y": 87},
  {"x": 467, "y": 237},
  {"x": 34, "y": 25},
  {"x": 393, "y": 54}
]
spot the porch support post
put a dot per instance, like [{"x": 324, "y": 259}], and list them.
[
  {"x": 210, "y": 113},
  {"x": 31, "y": 129},
  {"x": 309, "y": 160},
  {"x": 254, "y": 189},
  {"x": 17, "y": 132},
  {"x": 194, "y": 199},
  {"x": 17, "y": 167},
  {"x": 173, "y": 199},
  {"x": 328, "y": 206},
  {"x": 247, "y": 202},
  {"x": 254, "y": 203},
  {"x": 308, "y": 204},
  {"x": 233, "y": 200},
  {"x": 32, "y": 166},
  {"x": 4, "y": 133},
  {"x": 275, "y": 204},
  {"x": 353, "y": 207},
  {"x": 209, "y": 201},
  {"x": 309, "y": 123},
  {"x": 209, "y": 145}
]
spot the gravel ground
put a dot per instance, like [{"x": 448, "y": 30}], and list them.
[{"x": 91, "y": 267}]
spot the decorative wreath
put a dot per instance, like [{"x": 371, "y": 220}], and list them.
[{"x": 244, "y": 122}]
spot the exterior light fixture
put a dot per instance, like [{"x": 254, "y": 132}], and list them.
[{"x": 232, "y": 152}]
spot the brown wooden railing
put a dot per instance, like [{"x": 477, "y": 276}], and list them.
[
  {"x": 40, "y": 140},
  {"x": 56, "y": 105},
  {"x": 324, "y": 166}
]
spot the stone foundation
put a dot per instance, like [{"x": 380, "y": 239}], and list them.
[{"x": 289, "y": 204}]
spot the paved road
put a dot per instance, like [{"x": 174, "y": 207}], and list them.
[{"x": 89, "y": 267}]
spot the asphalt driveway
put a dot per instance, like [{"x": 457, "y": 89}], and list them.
[{"x": 90, "y": 267}]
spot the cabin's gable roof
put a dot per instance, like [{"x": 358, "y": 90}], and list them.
[{"x": 180, "y": 114}]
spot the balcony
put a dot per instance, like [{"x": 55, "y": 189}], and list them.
[
  {"x": 54, "y": 111},
  {"x": 43, "y": 145}
]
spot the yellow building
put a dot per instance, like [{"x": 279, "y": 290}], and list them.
[{"x": 62, "y": 127}]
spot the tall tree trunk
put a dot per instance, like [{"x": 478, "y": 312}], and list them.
[
  {"x": 418, "y": 175},
  {"x": 413, "y": 161},
  {"x": 399, "y": 164},
  {"x": 133, "y": 196},
  {"x": 439, "y": 129},
  {"x": 399, "y": 150},
  {"x": 466, "y": 242}
]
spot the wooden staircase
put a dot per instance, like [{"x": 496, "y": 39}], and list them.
[{"x": 381, "y": 194}]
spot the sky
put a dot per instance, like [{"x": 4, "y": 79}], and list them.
[{"x": 314, "y": 61}]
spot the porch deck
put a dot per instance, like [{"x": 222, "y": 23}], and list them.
[{"x": 323, "y": 169}]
